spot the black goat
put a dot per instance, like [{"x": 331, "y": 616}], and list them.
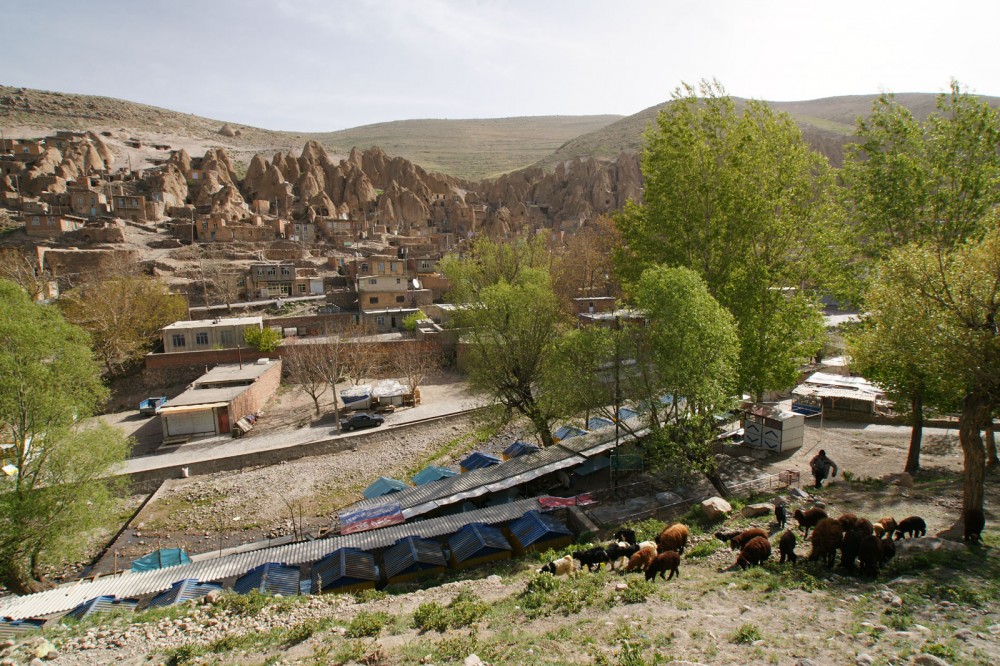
[
  {"x": 591, "y": 558},
  {"x": 628, "y": 536}
]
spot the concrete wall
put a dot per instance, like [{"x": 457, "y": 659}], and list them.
[{"x": 259, "y": 392}]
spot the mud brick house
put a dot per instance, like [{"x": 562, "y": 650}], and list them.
[{"x": 218, "y": 399}]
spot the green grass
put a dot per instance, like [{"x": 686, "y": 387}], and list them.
[
  {"x": 747, "y": 633},
  {"x": 367, "y": 624}
]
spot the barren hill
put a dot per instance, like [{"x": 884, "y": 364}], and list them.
[
  {"x": 469, "y": 149},
  {"x": 826, "y": 123}
]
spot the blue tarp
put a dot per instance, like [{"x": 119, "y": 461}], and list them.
[
  {"x": 478, "y": 460},
  {"x": 383, "y": 486},
  {"x": 432, "y": 473},
  {"x": 160, "y": 559},
  {"x": 567, "y": 431},
  {"x": 599, "y": 422},
  {"x": 520, "y": 448}
]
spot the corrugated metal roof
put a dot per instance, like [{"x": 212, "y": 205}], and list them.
[
  {"x": 478, "y": 460},
  {"x": 383, "y": 486},
  {"x": 102, "y": 604},
  {"x": 270, "y": 578},
  {"x": 533, "y": 527},
  {"x": 476, "y": 540},
  {"x": 520, "y": 448},
  {"x": 413, "y": 554},
  {"x": 342, "y": 567},
  {"x": 130, "y": 584},
  {"x": 181, "y": 591}
]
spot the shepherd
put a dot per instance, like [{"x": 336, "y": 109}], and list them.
[{"x": 821, "y": 466}]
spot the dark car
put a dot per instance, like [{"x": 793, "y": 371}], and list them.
[{"x": 362, "y": 421}]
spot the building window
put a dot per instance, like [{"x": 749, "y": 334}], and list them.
[
  {"x": 241, "y": 282},
  {"x": 400, "y": 299},
  {"x": 392, "y": 266},
  {"x": 226, "y": 338},
  {"x": 381, "y": 267},
  {"x": 270, "y": 271},
  {"x": 380, "y": 320},
  {"x": 34, "y": 221},
  {"x": 398, "y": 281},
  {"x": 178, "y": 340},
  {"x": 194, "y": 175},
  {"x": 260, "y": 272},
  {"x": 201, "y": 338},
  {"x": 285, "y": 270},
  {"x": 373, "y": 300},
  {"x": 302, "y": 289},
  {"x": 364, "y": 268},
  {"x": 204, "y": 225},
  {"x": 372, "y": 281}
]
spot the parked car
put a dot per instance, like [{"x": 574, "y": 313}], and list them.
[{"x": 358, "y": 421}]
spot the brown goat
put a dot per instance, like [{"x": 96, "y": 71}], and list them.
[
  {"x": 743, "y": 538},
  {"x": 667, "y": 561},
  {"x": 888, "y": 525},
  {"x": 826, "y": 540},
  {"x": 641, "y": 559},
  {"x": 869, "y": 554},
  {"x": 809, "y": 519},
  {"x": 786, "y": 546},
  {"x": 757, "y": 550},
  {"x": 673, "y": 538}
]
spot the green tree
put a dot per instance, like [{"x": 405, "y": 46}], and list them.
[
  {"x": 510, "y": 318},
  {"x": 694, "y": 353},
  {"x": 910, "y": 182},
  {"x": 737, "y": 195},
  {"x": 958, "y": 293},
  {"x": 410, "y": 320},
  {"x": 123, "y": 316},
  {"x": 264, "y": 340},
  {"x": 57, "y": 492}
]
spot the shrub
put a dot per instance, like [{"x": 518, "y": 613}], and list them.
[
  {"x": 431, "y": 616},
  {"x": 367, "y": 624},
  {"x": 364, "y": 596},
  {"x": 262, "y": 339},
  {"x": 244, "y": 605},
  {"x": 747, "y": 633},
  {"x": 465, "y": 609},
  {"x": 637, "y": 591},
  {"x": 410, "y": 321}
]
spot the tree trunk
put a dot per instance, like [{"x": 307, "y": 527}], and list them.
[
  {"x": 975, "y": 414},
  {"x": 15, "y": 578},
  {"x": 916, "y": 434},
  {"x": 316, "y": 403},
  {"x": 991, "y": 446},
  {"x": 718, "y": 484}
]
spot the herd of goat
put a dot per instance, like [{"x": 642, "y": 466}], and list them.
[{"x": 862, "y": 544}]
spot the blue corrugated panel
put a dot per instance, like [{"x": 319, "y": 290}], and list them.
[
  {"x": 432, "y": 473},
  {"x": 343, "y": 567},
  {"x": 478, "y": 460},
  {"x": 383, "y": 486},
  {"x": 102, "y": 605},
  {"x": 535, "y": 529},
  {"x": 12, "y": 628},
  {"x": 160, "y": 559},
  {"x": 519, "y": 448},
  {"x": 567, "y": 431},
  {"x": 599, "y": 422},
  {"x": 181, "y": 591},
  {"x": 413, "y": 554},
  {"x": 595, "y": 464},
  {"x": 477, "y": 540},
  {"x": 270, "y": 578}
]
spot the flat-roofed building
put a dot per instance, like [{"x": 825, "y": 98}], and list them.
[{"x": 199, "y": 335}]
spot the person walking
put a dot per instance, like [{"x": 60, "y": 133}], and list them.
[{"x": 821, "y": 466}]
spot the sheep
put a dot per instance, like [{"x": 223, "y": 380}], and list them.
[
  {"x": 743, "y": 538},
  {"x": 668, "y": 561},
  {"x": 757, "y": 550},
  {"x": 851, "y": 547},
  {"x": 641, "y": 559},
  {"x": 648, "y": 544},
  {"x": 826, "y": 540},
  {"x": 592, "y": 557},
  {"x": 975, "y": 521},
  {"x": 620, "y": 551},
  {"x": 628, "y": 536},
  {"x": 869, "y": 554},
  {"x": 780, "y": 515},
  {"x": 914, "y": 526},
  {"x": 809, "y": 518},
  {"x": 848, "y": 521},
  {"x": 889, "y": 525},
  {"x": 673, "y": 538},
  {"x": 564, "y": 566},
  {"x": 786, "y": 546},
  {"x": 878, "y": 530},
  {"x": 726, "y": 536},
  {"x": 887, "y": 550}
]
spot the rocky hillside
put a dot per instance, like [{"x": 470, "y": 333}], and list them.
[{"x": 471, "y": 149}]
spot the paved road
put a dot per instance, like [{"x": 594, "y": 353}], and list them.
[{"x": 453, "y": 399}]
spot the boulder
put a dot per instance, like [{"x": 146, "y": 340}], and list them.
[
  {"x": 667, "y": 498},
  {"x": 925, "y": 545},
  {"x": 754, "y": 510},
  {"x": 929, "y": 660},
  {"x": 226, "y": 130},
  {"x": 716, "y": 507}
]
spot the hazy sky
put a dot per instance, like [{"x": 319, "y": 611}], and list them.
[{"x": 315, "y": 65}]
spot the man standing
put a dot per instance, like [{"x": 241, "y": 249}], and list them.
[{"x": 821, "y": 466}]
